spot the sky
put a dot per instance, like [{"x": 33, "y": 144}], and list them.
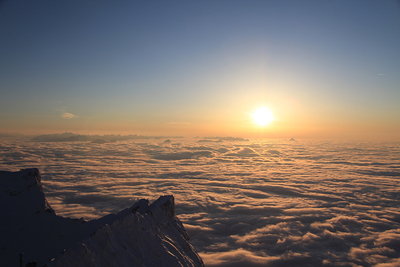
[{"x": 325, "y": 69}]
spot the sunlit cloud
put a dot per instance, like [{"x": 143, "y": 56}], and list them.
[
  {"x": 179, "y": 123},
  {"x": 243, "y": 203},
  {"x": 67, "y": 115},
  {"x": 239, "y": 257}
]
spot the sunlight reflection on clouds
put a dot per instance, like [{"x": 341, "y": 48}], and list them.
[{"x": 244, "y": 203}]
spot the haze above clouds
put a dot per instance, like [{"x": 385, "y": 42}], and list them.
[{"x": 244, "y": 203}]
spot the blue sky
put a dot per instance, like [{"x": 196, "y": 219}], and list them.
[{"x": 325, "y": 68}]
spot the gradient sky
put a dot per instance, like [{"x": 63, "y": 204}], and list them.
[{"x": 328, "y": 69}]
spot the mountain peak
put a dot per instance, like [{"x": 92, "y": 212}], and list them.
[{"x": 143, "y": 234}]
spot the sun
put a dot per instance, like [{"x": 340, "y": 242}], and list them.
[{"x": 262, "y": 116}]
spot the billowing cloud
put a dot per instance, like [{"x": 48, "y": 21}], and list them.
[
  {"x": 243, "y": 203},
  {"x": 239, "y": 257}
]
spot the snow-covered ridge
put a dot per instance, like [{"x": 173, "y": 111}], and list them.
[{"x": 142, "y": 235}]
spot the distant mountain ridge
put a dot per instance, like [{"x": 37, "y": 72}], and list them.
[{"x": 70, "y": 137}]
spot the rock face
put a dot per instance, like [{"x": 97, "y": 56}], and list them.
[
  {"x": 142, "y": 235},
  {"x": 147, "y": 236}
]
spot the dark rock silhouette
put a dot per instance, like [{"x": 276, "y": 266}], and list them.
[{"x": 30, "y": 226}]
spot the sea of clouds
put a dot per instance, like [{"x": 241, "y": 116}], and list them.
[{"x": 243, "y": 203}]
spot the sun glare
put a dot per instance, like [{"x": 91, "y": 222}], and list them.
[{"x": 262, "y": 116}]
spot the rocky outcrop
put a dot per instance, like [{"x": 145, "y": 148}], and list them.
[{"x": 142, "y": 235}]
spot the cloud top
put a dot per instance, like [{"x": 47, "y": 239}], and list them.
[{"x": 243, "y": 202}]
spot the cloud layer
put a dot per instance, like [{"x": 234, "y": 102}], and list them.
[{"x": 243, "y": 202}]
